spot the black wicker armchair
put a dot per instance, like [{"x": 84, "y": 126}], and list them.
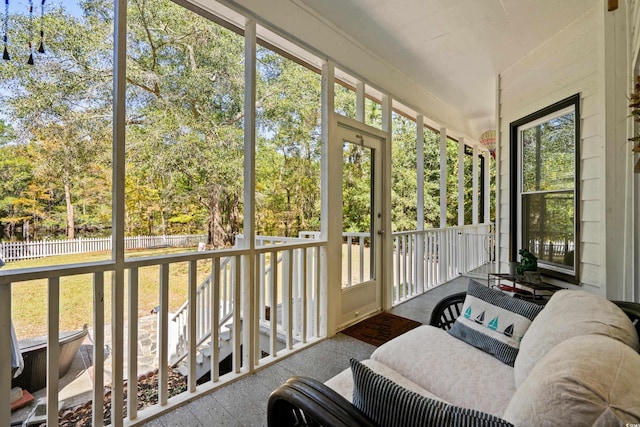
[
  {"x": 447, "y": 310},
  {"x": 304, "y": 401}
]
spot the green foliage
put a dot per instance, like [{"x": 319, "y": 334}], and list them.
[{"x": 184, "y": 133}]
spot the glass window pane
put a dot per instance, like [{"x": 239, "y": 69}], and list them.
[
  {"x": 548, "y": 153},
  {"x": 548, "y": 226},
  {"x": 357, "y": 205}
]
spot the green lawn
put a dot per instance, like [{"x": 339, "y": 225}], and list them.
[{"x": 29, "y": 299}]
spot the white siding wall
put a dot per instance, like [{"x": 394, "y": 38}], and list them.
[{"x": 565, "y": 65}]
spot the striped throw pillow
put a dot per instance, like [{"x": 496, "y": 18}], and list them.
[
  {"x": 390, "y": 405},
  {"x": 494, "y": 322}
]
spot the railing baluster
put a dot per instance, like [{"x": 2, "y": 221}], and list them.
[
  {"x": 53, "y": 350},
  {"x": 396, "y": 247},
  {"x": 98, "y": 349},
  {"x": 261, "y": 286},
  {"x": 163, "y": 338},
  {"x": 361, "y": 248},
  {"x": 215, "y": 320},
  {"x": 304, "y": 295},
  {"x": 132, "y": 384},
  {"x": 349, "y": 261},
  {"x": 410, "y": 260},
  {"x": 117, "y": 345},
  {"x": 237, "y": 315},
  {"x": 287, "y": 296},
  {"x": 318, "y": 276},
  {"x": 192, "y": 322},
  {"x": 274, "y": 304}
]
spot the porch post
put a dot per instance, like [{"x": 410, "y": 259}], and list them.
[
  {"x": 331, "y": 210},
  {"x": 249, "y": 306},
  {"x": 461, "y": 182},
  {"x": 420, "y": 202},
  {"x": 387, "y": 238},
  {"x": 360, "y": 102},
  {"x": 461, "y": 244},
  {"x": 443, "y": 177},
  {"x": 443, "y": 244},
  {"x": 475, "y": 185},
  {"x": 117, "y": 210},
  {"x": 487, "y": 187}
]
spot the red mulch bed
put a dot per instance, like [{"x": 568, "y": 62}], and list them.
[{"x": 80, "y": 416}]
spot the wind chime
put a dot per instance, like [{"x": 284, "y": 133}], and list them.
[{"x": 5, "y": 54}]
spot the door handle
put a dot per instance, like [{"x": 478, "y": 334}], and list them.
[{"x": 381, "y": 232}]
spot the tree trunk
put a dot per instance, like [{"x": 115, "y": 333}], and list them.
[
  {"x": 71, "y": 221},
  {"x": 215, "y": 234}
]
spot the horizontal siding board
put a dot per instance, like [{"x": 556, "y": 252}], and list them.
[
  {"x": 591, "y": 233},
  {"x": 591, "y": 190},
  {"x": 591, "y": 148},
  {"x": 591, "y": 276},
  {"x": 591, "y": 210},
  {"x": 591, "y": 170},
  {"x": 591, "y": 253}
]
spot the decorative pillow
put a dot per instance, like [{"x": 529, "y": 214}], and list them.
[
  {"x": 494, "y": 322},
  {"x": 388, "y": 404}
]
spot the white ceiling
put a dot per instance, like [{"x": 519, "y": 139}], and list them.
[{"x": 453, "y": 48}]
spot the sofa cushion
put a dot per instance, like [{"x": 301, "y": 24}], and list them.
[
  {"x": 389, "y": 404},
  {"x": 568, "y": 314},
  {"x": 449, "y": 368},
  {"x": 493, "y": 321},
  {"x": 585, "y": 380},
  {"x": 343, "y": 382}
]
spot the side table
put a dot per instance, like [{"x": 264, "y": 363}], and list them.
[{"x": 533, "y": 291}]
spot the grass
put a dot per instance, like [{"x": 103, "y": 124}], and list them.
[{"x": 29, "y": 299}]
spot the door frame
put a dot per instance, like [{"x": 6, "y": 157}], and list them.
[{"x": 347, "y": 313}]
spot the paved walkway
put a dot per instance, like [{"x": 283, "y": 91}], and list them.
[{"x": 76, "y": 387}]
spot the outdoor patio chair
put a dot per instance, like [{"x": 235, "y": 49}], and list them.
[{"x": 34, "y": 354}]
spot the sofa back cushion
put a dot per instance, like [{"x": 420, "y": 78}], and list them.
[
  {"x": 568, "y": 314},
  {"x": 588, "y": 380}
]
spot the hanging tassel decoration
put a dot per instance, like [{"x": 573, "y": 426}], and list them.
[
  {"x": 5, "y": 54},
  {"x": 41, "y": 47},
  {"x": 30, "y": 60}
]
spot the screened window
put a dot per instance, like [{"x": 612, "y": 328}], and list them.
[{"x": 544, "y": 163}]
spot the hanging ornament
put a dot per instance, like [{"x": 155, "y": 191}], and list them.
[
  {"x": 30, "y": 60},
  {"x": 5, "y": 54},
  {"x": 41, "y": 47},
  {"x": 488, "y": 139}
]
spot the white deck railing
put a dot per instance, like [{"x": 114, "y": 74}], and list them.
[
  {"x": 291, "y": 289},
  {"x": 425, "y": 259},
  {"x": 225, "y": 280}
]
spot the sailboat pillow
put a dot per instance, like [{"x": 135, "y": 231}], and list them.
[{"x": 494, "y": 322}]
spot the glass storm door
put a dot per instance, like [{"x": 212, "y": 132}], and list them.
[{"x": 361, "y": 222}]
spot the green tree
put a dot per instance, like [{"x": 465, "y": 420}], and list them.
[
  {"x": 288, "y": 155},
  {"x": 60, "y": 107}
]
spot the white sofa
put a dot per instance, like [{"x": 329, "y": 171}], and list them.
[{"x": 578, "y": 364}]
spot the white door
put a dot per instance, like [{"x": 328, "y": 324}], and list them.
[{"x": 361, "y": 221}]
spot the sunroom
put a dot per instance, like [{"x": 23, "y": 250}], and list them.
[{"x": 411, "y": 148}]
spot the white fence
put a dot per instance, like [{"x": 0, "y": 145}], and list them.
[{"x": 14, "y": 251}]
